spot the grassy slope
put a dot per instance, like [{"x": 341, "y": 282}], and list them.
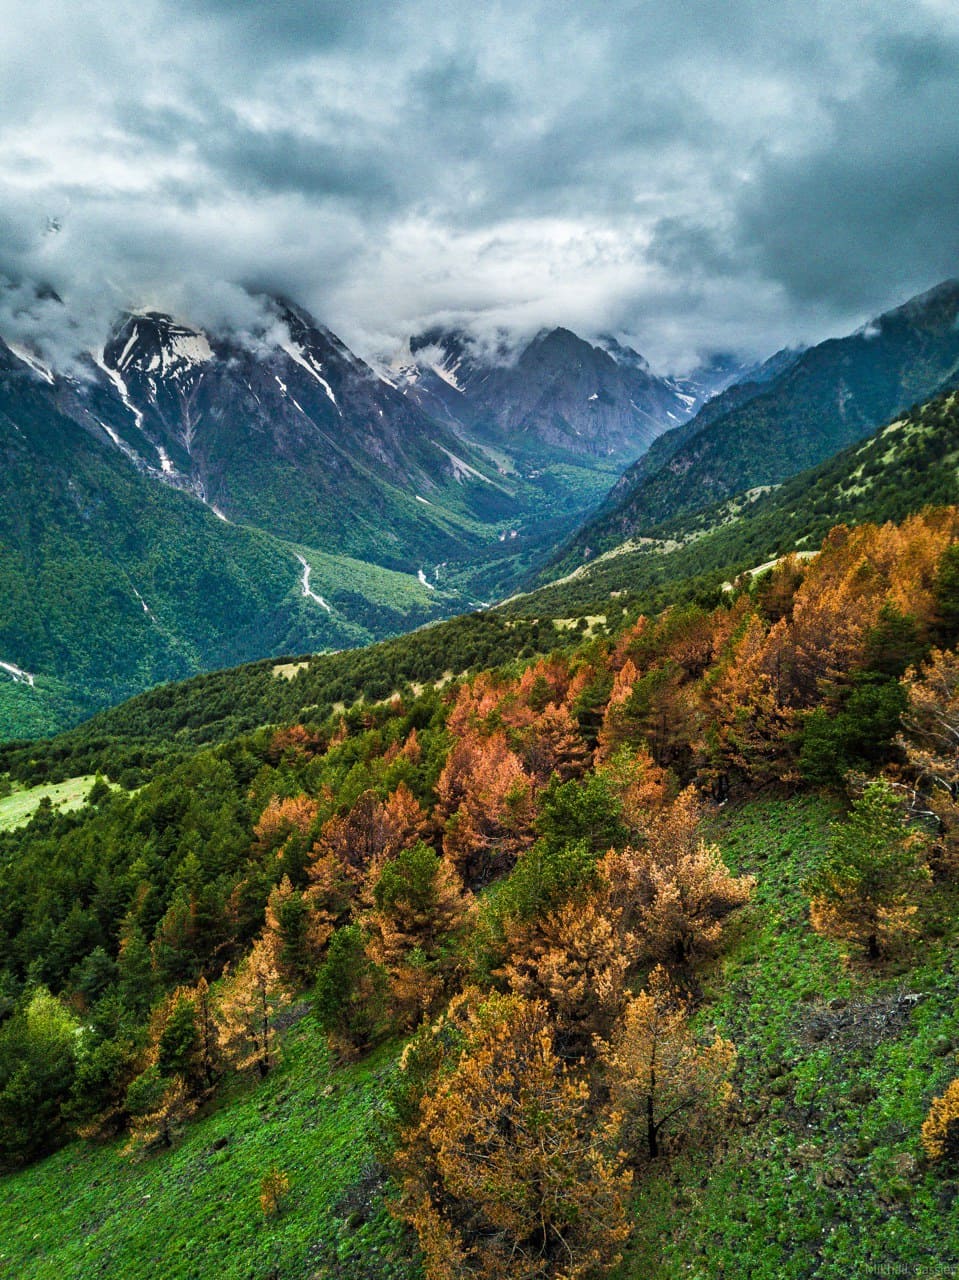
[
  {"x": 824, "y": 1179},
  {"x": 17, "y": 809},
  {"x": 194, "y": 1213},
  {"x": 827, "y": 1180}
]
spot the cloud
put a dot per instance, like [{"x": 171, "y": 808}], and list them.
[{"x": 695, "y": 175}]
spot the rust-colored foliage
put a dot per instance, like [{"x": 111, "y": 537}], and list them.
[
  {"x": 274, "y": 1189},
  {"x": 673, "y": 890},
  {"x": 485, "y": 803},
  {"x": 249, "y": 1001},
  {"x": 504, "y": 1171},
  {"x": 663, "y": 1083},
  {"x": 930, "y": 741},
  {"x": 284, "y": 817},
  {"x": 159, "y": 1126},
  {"x": 373, "y": 830},
  {"x": 293, "y": 743},
  {"x": 416, "y": 907},
  {"x": 576, "y": 959},
  {"x": 749, "y": 724}
]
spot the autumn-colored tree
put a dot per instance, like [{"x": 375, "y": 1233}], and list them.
[
  {"x": 372, "y": 830},
  {"x": 297, "y": 928},
  {"x": 292, "y": 743},
  {"x": 274, "y": 1189},
  {"x": 673, "y": 890},
  {"x": 552, "y": 744},
  {"x": 930, "y": 741},
  {"x": 416, "y": 906},
  {"x": 619, "y": 723},
  {"x": 545, "y": 682},
  {"x": 327, "y": 899},
  {"x": 576, "y": 959},
  {"x": 860, "y": 577},
  {"x": 864, "y": 889},
  {"x": 485, "y": 801},
  {"x": 283, "y": 817},
  {"x": 642, "y": 787},
  {"x": 284, "y": 830},
  {"x": 749, "y": 726},
  {"x": 940, "y": 1130},
  {"x": 662, "y": 1081},
  {"x": 185, "y": 1035},
  {"x": 246, "y": 1015},
  {"x": 504, "y": 1171}
]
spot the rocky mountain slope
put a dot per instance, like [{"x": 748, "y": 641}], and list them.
[{"x": 558, "y": 390}]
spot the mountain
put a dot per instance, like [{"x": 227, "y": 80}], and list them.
[
  {"x": 558, "y": 390},
  {"x": 299, "y": 963},
  {"x": 760, "y": 432},
  {"x": 907, "y": 465},
  {"x": 184, "y": 499},
  {"x": 289, "y": 430},
  {"x": 112, "y": 580}
]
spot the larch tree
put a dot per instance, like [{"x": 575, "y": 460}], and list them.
[
  {"x": 159, "y": 1107},
  {"x": 576, "y": 959},
  {"x": 930, "y": 742},
  {"x": 940, "y": 1130},
  {"x": 504, "y": 1171},
  {"x": 246, "y": 1015},
  {"x": 662, "y": 1081},
  {"x": 749, "y": 724},
  {"x": 673, "y": 890},
  {"x": 416, "y": 907},
  {"x": 292, "y": 935},
  {"x": 486, "y": 804}
]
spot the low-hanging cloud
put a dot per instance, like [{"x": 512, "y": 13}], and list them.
[{"x": 694, "y": 176}]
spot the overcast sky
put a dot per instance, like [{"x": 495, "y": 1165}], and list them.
[{"x": 707, "y": 174}]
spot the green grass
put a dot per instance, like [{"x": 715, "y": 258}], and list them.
[
  {"x": 193, "y": 1213},
  {"x": 18, "y": 808},
  {"x": 823, "y": 1176}
]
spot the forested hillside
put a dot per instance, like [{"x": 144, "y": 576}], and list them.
[
  {"x": 828, "y": 397},
  {"x": 720, "y": 840}
]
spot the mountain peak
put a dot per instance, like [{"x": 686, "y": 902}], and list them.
[{"x": 151, "y": 342}]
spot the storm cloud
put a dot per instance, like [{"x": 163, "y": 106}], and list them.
[{"x": 695, "y": 176}]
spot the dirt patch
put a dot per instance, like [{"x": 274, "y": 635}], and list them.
[{"x": 858, "y": 1023}]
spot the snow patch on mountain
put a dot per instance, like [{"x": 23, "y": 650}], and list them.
[
  {"x": 121, "y": 387},
  {"x": 312, "y": 366},
  {"x": 28, "y": 358}
]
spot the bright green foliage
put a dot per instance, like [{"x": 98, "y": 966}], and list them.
[
  {"x": 586, "y": 811},
  {"x": 408, "y": 879},
  {"x": 863, "y": 889},
  {"x": 38, "y": 1048},
  {"x": 351, "y": 992}
]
